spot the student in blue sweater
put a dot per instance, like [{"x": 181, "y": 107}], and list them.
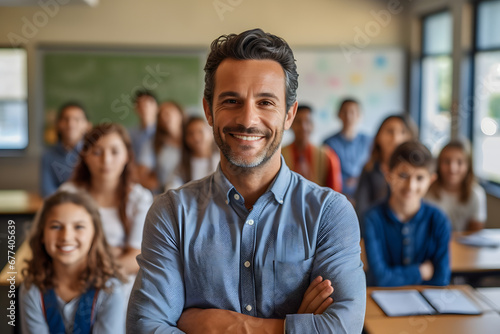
[{"x": 406, "y": 239}]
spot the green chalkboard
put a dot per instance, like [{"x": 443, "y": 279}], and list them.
[{"x": 106, "y": 82}]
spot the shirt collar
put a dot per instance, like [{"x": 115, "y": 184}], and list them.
[
  {"x": 78, "y": 147},
  {"x": 278, "y": 187},
  {"x": 394, "y": 220}
]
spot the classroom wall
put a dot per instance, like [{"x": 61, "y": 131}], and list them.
[{"x": 178, "y": 24}]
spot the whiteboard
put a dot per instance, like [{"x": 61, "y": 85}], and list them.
[{"x": 375, "y": 77}]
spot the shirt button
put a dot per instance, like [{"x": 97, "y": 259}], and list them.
[
  {"x": 249, "y": 308},
  {"x": 405, "y": 230},
  {"x": 406, "y": 261},
  {"x": 406, "y": 241},
  {"x": 250, "y": 222},
  {"x": 247, "y": 264},
  {"x": 236, "y": 197}
]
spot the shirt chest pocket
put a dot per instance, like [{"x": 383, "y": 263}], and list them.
[{"x": 291, "y": 280}]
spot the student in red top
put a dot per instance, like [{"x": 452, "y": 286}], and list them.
[{"x": 318, "y": 164}]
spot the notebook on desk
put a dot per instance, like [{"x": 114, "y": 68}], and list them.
[
  {"x": 480, "y": 239},
  {"x": 398, "y": 303}
]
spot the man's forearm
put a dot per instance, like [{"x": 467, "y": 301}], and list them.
[{"x": 206, "y": 321}]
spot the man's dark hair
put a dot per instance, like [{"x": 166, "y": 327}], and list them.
[
  {"x": 346, "y": 101},
  {"x": 414, "y": 153},
  {"x": 257, "y": 45},
  {"x": 144, "y": 92},
  {"x": 71, "y": 104},
  {"x": 303, "y": 107}
]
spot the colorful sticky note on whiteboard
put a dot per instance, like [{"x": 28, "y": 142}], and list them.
[
  {"x": 390, "y": 80},
  {"x": 334, "y": 82},
  {"x": 356, "y": 78},
  {"x": 380, "y": 62}
]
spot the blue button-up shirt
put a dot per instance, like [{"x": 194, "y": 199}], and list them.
[
  {"x": 395, "y": 250},
  {"x": 57, "y": 166},
  {"x": 202, "y": 248},
  {"x": 141, "y": 137},
  {"x": 353, "y": 154}
]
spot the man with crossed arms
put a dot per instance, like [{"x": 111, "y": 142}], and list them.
[{"x": 254, "y": 247}]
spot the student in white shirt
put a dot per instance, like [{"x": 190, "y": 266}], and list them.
[
  {"x": 105, "y": 172},
  {"x": 456, "y": 191},
  {"x": 200, "y": 155}
]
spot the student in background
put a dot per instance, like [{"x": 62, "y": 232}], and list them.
[
  {"x": 146, "y": 107},
  {"x": 58, "y": 161},
  {"x": 352, "y": 147},
  {"x": 72, "y": 284},
  {"x": 200, "y": 155},
  {"x": 161, "y": 156},
  {"x": 406, "y": 239},
  {"x": 105, "y": 172},
  {"x": 372, "y": 187},
  {"x": 318, "y": 164},
  {"x": 456, "y": 191}
]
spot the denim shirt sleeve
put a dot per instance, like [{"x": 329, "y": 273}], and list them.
[
  {"x": 157, "y": 299},
  {"x": 337, "y": 259},
  {"x": 48, "y": 182}
]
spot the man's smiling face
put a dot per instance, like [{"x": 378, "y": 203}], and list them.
[{"x": 249, "y": 115}]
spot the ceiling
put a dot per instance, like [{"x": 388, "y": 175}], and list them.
[{"x": 24, "y": 3}]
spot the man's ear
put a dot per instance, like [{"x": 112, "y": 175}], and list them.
[
  {"x": 290, "y": 115},
  {"x": 208, "y": 113}
]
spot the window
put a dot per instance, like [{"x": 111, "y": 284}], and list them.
[
  {"x": 13, "y": 99},
  {"x": 486, "y": 120},
  {"x": 436, "y": 84}
]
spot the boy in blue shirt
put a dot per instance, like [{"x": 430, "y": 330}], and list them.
[
  {"x": 352, "y": 147},
  {"x": 406, "y": 239}
]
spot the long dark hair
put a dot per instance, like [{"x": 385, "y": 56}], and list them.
[
  {"x": 185, "y": 164},
  {"x": 82, "y": 177},
  {"x": 161, "y": 134},
  {"x": 376, "y": 155}
]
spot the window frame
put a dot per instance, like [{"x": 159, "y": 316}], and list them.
[
  {"x": 18, "y": 152},
  {"x": 424, "y": 55},
  {"x": 490, "y": 186}
]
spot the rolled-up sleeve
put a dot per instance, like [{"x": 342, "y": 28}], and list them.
[
  {"x": 337, "y": 259},
  {"x": 157, "y": 299}
]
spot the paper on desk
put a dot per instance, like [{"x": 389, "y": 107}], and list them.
[
  {"x": 479, "y": 239},
  {"x": 397, "y": 303},
  {"x": 450, "y": 301}
]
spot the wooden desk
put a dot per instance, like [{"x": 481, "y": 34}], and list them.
[
  {"x": 474, "y": 260},
  {"x": 19, "y": 202},
  {"x": 487, "y": 323},
  {"x": 491, "y": 296},
  {"x": 376, "y": 322}
]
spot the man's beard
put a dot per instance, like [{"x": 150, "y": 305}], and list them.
[{"x": 261, "y": 158}]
